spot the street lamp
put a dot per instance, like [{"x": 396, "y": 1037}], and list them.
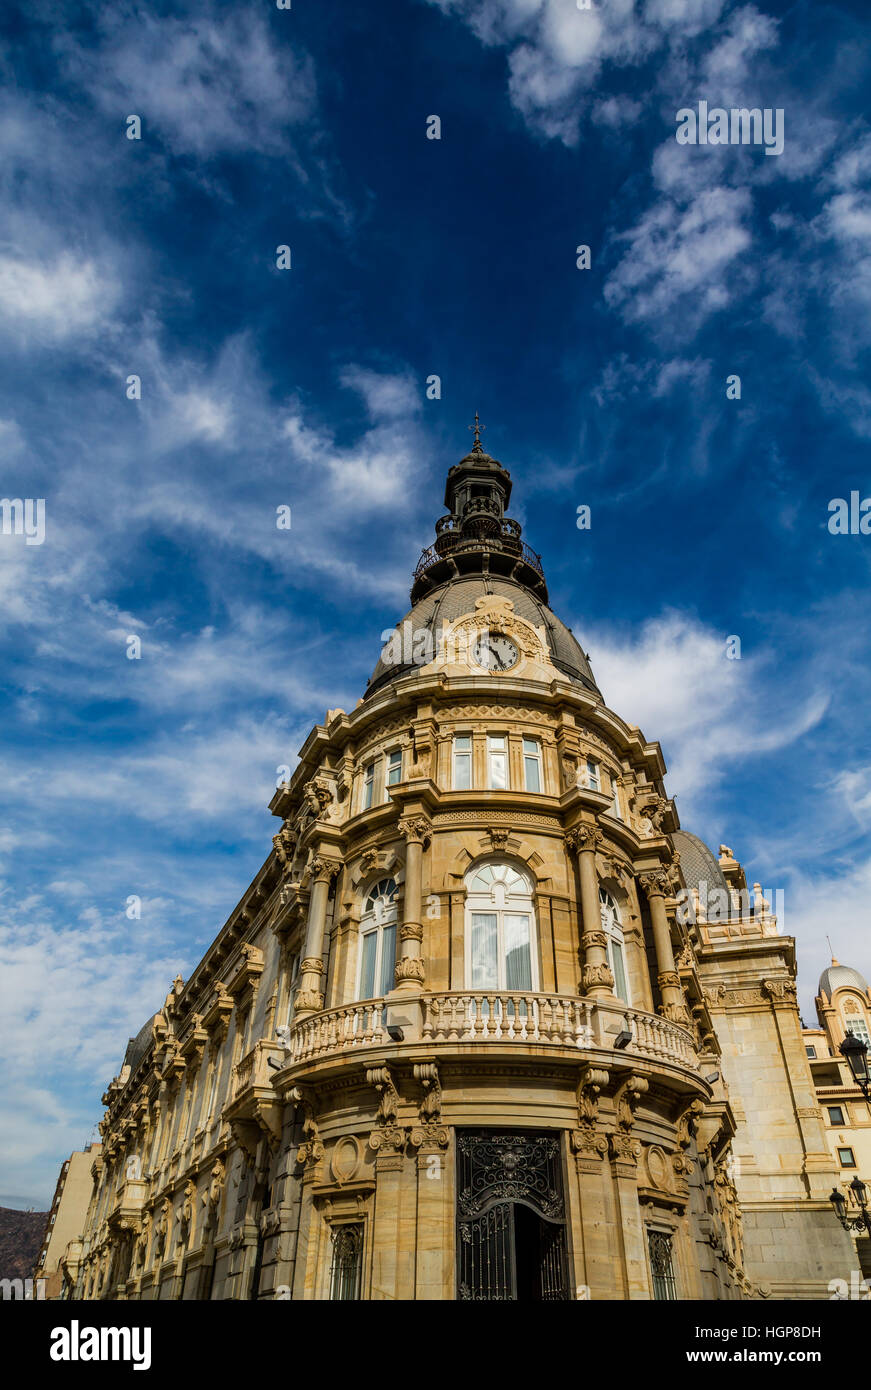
[
  {"x": 856, "y": 1053},
  {"x": 839, "y": 1202}
]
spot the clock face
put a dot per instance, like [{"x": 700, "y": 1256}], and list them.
[{"x": 495, "y": 652}]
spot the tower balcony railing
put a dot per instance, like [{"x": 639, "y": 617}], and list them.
[
  {"x": 452, "y": 543},
  {"x": 491, "y": 1017}
]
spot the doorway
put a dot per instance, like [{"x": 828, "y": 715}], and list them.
[{"x": 511, "y": 1240}]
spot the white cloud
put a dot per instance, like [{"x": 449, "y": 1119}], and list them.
[
  {"x": 53, "y": 302},
  {"x": 674, "y": 679},
  {"x": 683, "y": 256},
  {"x": 208, "y": 85}
]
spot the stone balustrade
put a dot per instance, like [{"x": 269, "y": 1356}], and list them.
[{"x": 483, "y": 1017}]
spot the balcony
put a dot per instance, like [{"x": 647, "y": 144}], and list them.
[{"x": 465, "y": 1019}]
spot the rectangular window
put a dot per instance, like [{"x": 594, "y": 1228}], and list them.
[
  {"x": 659, "y": 1246},
  {"x": 367, "y": 965},
  {"x": 462, "y": 762},
  {"x": 811, "y": 1052},
  {"x": 518, "y": 961},
  {"x": 846, "y": 1158},
  {"x": 593, "y": 781},
  {"x": 859, "y": 1028},
  {"x": 836, "y": 1115},
  {"x": 368, "y": 785},
  {"x": 497, "y": 763},
  {"x": 532, "y": 764},
  {"x": 618, "y": 969},
  {"x": 394, "y": 767},
  {"x": 485, "y": 950},
  {"x": 292, "y": 982},
  {"x": 347, "y": 1262}
]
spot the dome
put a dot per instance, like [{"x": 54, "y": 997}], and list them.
[
  {"x": 839, "y": 976},
  {"x": 698, "y": 863},
  {"x": 451, "y": 600}
]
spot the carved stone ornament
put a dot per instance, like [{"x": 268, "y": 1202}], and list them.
[
  {"x": 284, "y": 844},
  {"x": 779, "y": 991},
  {"x": 430, "y": 1133},
  {"x": 311, "y": 1150},
  {"x": 410, "y": 968},
  {"x": 387, "y": 1134},
  {"x": 324, "y": 870},
  {"x": 368, "y": 861},
  {"x": 583, "y": 838},
  {"x": 417, "y": 829},
  {"x": 318, "y": 795},
  {"x": 656, "y": 883},
  {"x": 686, "y": 1129},
  {"x": 212, "y": 1195},
  {"x": 592, "y": 975},
  {"x": 586, "y": 1141},
  {"x": 627, "y": 1097},
  {"x": 498, "y": 838}
]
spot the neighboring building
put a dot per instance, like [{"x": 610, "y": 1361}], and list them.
[
  {"x": 843, "y": 1005},
  {"x": 460, "y": 1039},
  {"x": 66, "y": 1218}
]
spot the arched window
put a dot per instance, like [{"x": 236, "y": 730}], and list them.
[
  {"x": 500, "y": 950},
  {"x": 378, "y": 941},
  {"x": 613, "y": 929}
]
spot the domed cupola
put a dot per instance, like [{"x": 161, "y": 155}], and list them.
[
  {"x": 839, "y": 976},
  {"x": 478, "y": 554},
  {"x": 476, "y": 537}
]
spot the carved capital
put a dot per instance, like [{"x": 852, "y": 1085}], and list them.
[
  {"x": 656, "y": 883},
  {"x": 416, "y": 830},
  {"x": 324, "y": 870},
  {"x": 584, "y": 838},
  {"x": 312, "y": 965},
  {"x": 411, "y": 931}
]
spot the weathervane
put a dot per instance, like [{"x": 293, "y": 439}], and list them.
[{"x": 477, "y": 427}]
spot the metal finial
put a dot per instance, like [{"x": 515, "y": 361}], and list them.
[{"x": 477, "y": 427}]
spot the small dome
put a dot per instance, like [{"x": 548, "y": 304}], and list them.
[
  {"x": 698, "y": 863},
  {"x": 841, "y": 977},
  {"x": 450, "y": 601}
]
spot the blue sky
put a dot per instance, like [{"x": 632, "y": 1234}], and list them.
[{"x": 306, "y": 387}]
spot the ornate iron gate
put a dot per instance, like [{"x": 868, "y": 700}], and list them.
[{"x": 511, "y": 1242}]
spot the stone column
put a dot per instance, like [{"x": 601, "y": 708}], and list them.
[
  {"x": 596, "y": 977},
  {"x": 310, "y": 996},
  {"x": 657, "y": 886},
  {"x": 410, "y": 970}
]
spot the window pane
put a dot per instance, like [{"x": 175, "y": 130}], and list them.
[
  {"x": 463, "y": 742},
  {"x": 394, "y": 767},
  {"x": 484, "y": 950},
  {"x": 367, "y": 966},
  {"x": 388, "y": 958},
  {"x": 619, "y": 969},
  {"x": 533, "y": 778},
  {"x": 368, "y": 785},
  {"x": 518, "y": 960},
  {"x": 462, "y": 771},
  {"x": 530, "y": 745},
  {"x": 346, "y": 1263},
  {"x": 498, "y": 771},
  {"x": 592, "y": 774},
  {"x": 497, "y": 741}
]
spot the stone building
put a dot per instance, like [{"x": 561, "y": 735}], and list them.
[
  {"x": 843, "y": 1005},
  {"x": 63, "y": 1226},
  {"x": 459, "y": 1040}
]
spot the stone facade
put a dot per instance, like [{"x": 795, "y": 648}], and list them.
[{"x": 456, "y": 1040}]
